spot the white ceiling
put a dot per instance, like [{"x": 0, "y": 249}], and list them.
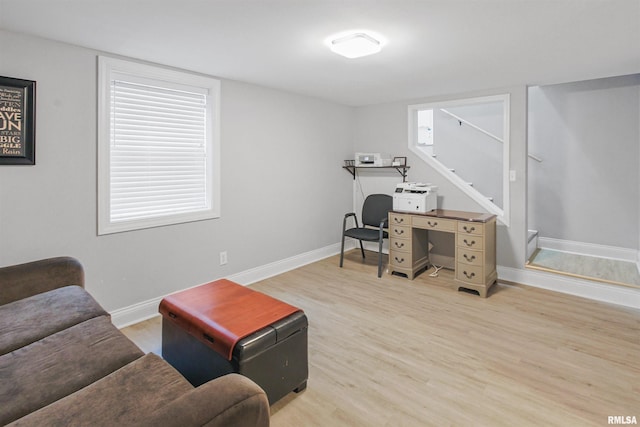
[{"x": 433, "y": 46}]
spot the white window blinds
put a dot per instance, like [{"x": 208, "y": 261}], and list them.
[{"x": 158, "y": 151}]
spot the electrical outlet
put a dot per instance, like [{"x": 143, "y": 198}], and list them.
[{"x": 223, "y": 258}]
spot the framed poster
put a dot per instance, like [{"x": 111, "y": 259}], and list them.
[{"x": 17, "y": 121}]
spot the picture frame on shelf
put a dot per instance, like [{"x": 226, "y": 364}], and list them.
[{"x": 399, "y": 161}]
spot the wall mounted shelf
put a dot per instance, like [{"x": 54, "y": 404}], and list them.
[{"x": 352, "y": 169}]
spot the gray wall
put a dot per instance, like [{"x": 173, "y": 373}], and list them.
[
  {"x": 475, "y": 156},
  {"x": 384, "y": 128},
  {"x": 587, "y": 188},
  {"x": 283, "y": 192}
]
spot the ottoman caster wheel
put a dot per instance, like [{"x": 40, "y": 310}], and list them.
[{"x": 301, "y": 387}]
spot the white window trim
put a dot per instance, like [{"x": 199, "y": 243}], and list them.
[{"x": 107, "y": 67}]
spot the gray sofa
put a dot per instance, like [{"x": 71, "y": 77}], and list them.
[{"x": 62, "y": 362}]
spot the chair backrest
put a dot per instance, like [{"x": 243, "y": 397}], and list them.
[{"x": 376, "y": 208}]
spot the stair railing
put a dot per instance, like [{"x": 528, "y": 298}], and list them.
[{"x": 478, "y": 128}]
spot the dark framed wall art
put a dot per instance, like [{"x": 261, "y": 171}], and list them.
[{"x": 17, "y": 121}]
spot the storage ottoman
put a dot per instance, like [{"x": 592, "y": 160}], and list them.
[{"x": 222, "y": 327}]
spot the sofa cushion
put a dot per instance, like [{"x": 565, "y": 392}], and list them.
[
  {"x": 125, "y": 397},
  {"x": 40, "y": 373},
  {"x": 27, "y": 320},
  {"x": 148, "y": 393}
]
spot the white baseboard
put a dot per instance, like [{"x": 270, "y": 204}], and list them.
[
  {"x": 265, "y": 271},
  {"x": 591, "y": 249},
  {"x": 620, "y": 295},
  {"x": 144, "y": 310}
]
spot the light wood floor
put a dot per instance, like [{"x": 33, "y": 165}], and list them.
[{"x": 394, "y": 352}]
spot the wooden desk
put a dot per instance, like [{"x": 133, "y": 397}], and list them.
[{"x": 475, "y": 245}]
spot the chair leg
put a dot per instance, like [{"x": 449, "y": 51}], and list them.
[
  {"x": 361, "y": 248},
  {"x": 342, "y": 251},
  {"x": 380, "y": 259}
]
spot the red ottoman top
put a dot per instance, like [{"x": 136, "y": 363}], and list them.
[{"x": 225, "y": 311}]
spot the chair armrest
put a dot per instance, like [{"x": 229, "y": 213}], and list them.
[
  {"x": 344, "y": 221},
  {"x": 230, "y": 401},
  {"x": 31, "y": 278},
  {"x": 384, "y": 223}
]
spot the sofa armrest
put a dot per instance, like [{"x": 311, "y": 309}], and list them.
[
  {"x": 228, "y": 401},
  {"x": 24, "y": 280}
]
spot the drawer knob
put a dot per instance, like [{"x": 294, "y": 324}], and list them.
[
  {"x": 398, "y": 220},
  {"x": 432, "y": 224},
  {"x": 401, "y": 260},
  {"x": 469, "y": 258},
  {"x": 398, "y": 231},
  {"x": 469, "y": 276},
  {"x": 399, "y": 245},
  {"x": 469, "y": 229},
  {"x": 473, "y": 242}
]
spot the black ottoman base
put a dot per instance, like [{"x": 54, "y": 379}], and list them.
[{"x": 274, "y": 357}]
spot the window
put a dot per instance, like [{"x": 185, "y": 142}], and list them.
[{"x": 158, "y": 146}]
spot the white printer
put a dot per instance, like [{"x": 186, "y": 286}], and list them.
[{"x": 415, "y": 197}]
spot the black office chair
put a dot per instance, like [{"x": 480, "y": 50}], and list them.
[{"x": 375, "y": 213}]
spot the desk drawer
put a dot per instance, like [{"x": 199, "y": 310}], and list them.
[
  {"x": 400, "y": 231},
  {"x": 399, "y": 219},
  {"x": 400, "y": 259},
  {"x": 470, "y": 241},
  {"x": 469, "y": 273},
  {"x": 467, "y": 227},
  {"x": 469, "y": 256},
  {"x": 433, "y": 223},
  {"x": 396, "y": 244}
]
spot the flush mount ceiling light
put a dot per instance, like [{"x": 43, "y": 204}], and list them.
[{"x": 355, "y": 45}]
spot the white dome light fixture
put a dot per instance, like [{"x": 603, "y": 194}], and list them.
[{"x": 355, "y": 45}]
